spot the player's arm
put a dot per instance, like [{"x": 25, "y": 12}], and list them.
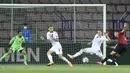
[
  {"x": 113, "y": 46},
  {"x": 23, "y": 40},
  {"x": 125, "y": 27},
  {"x": 55, "y": 37},
  {"x": 11, "y": 41},
  {"x": 107, "y": 37},
  {"x": 93, "y": 39}
]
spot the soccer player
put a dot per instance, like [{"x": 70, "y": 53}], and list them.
[
  {"x": 95, "y": 48},
  {"x": 52, "y": 36},
  {"x": 120, "y": 47},
  {"x": 16, "y": 44}
]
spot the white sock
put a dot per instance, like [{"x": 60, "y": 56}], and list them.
[
  {"x": 78, "y": 53},
  {"x": 64, "y": 59},
  {"x": 50, "y": 57},
  {"x": 109, "y": 60}
]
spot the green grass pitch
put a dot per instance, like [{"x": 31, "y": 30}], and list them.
[{"x": 63, "y": 69}]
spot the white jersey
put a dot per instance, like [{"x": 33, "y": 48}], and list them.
[
  {"x": 52, "y": 35},
  {"x": 97, "y": 41}
]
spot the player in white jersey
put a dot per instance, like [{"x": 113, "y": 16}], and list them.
[
  {"x": 95, "y": 48},
  {"x": 52, "y": 36}
]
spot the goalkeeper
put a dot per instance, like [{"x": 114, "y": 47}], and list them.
[{"x": 16, "y": 44}]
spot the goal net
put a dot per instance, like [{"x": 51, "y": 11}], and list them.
[{"x": 76, "y": 25}]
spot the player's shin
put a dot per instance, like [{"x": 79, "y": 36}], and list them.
[
  {"x": 78, "y": 53},
  {"x": 25, "y": 59},
  {"x": 50, "y": 58},
  {"x": 66, "y": 60},
  {"x": 4, "y": 56},
  {"x": 106, "y": 58}
]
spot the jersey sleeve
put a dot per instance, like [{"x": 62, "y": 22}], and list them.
[
  {"x": 12, "y": 40},
  {"x": 55, "y": 35},
  {"x": 23, "y": 39},
  {"x": 47, "y": 35},
  {"x": 103, "y": 38},
  {"x": 120, "y": 33}
]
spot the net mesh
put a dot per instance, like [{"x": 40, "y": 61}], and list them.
[{"x": 88, "y": 21}]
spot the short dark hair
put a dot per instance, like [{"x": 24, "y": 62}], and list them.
[{"x": 19, "y": 31}]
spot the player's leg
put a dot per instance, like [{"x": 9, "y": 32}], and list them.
[
  {"x": 77, "y": 54},
  {"x": 114, "y": 52},
  {"x": 6, "y": 54},
  {"x": 65, "y": 59},
  {"x": 99, "y": 54},
  {"x": 25, "y": 55},
  {"x": 50, "y": 57}
]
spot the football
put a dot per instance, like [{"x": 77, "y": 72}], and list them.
[{"x": 85, "y": 60}]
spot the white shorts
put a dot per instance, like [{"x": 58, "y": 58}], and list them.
[
  {"x": 96, "y": 51},
  {"x": 57, "y": 48}
]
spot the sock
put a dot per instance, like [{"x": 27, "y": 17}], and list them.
[
  {"x": 64, "y": 59},
  {"x": 106, "y": 58},
  {"x": 4, "y": 56},
  {"x": 25, "y": 58},
  {"x": 78, "y": 53},
  {"x": 50, "y": 58},
  {"x": 113, "y": 60}
]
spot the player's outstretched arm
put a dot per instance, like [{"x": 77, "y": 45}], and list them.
[
  {"x": 43, "y": 38},
  {"x": 108, "y": 38},
  {"x": 11, "y": 41},
  {"x": 125, "y": 27}
]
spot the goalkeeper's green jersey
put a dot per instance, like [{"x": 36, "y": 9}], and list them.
[{"x": 16, "y": 41}]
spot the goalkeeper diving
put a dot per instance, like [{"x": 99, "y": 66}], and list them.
[{"x": 16, "y": 44}]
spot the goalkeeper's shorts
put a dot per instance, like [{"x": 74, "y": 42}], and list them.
[{"x": 16, "y": 49}]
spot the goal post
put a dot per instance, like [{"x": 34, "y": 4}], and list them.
[{"x": 59, "y": 14}]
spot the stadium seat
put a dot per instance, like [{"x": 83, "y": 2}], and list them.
[
  {"x": 80, "y": 9},
  {"x": 67, "y": 34},
  {"x": 115, "y": 1},
  {"x": 79, "y": 16},
  {"x": 67, "y": 16},
  {"x": 128, "y": 18},
  {"x": 34, "y": 1},
  {"x": 97, "y": 16},
  {"x": 55, "y": 1},
  {"x": 85, "y": 1},
  {"x": 93, "y": 25},
  {"x": 76, "y": 1},
  {"x": 30, "y": 10},
  {"x": 24, "y": 1},
  {"x": 69, "y": 9},
  {"x": 6, "y": 25},
  {"x": 128, "y": 8},
  {"x": 87, "y": 16},
  {"x": 36, "y": 17},
  {"x": 90, "y": 9},
  {"x": 105, "y": 1},
  {"x": 45, "y": 1},
  {"x": 95, "y": 1},
  {"x": 41, "y": 10},
  {"x": 99, "y": 9},
  {"x": 50, "y": 9},
  {"x": 109, "y": 16},
  {"x": 62, "y": 9},
  {"x": 121, "y": 8},
  {"x": 117, "y": 16},
  {"x": 3, "y": 17},
  {"x": 111, "y": 8},
  {"x": 125, "y": 1},
  {"x": 65, "y": 1}
]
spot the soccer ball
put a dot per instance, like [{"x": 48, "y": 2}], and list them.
[{"x": 85, "y": 60}]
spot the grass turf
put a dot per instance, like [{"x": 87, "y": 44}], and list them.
[{"x": 63, "y": 69}]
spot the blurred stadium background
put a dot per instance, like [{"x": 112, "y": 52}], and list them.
[{"x": 88, "y": 21}]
